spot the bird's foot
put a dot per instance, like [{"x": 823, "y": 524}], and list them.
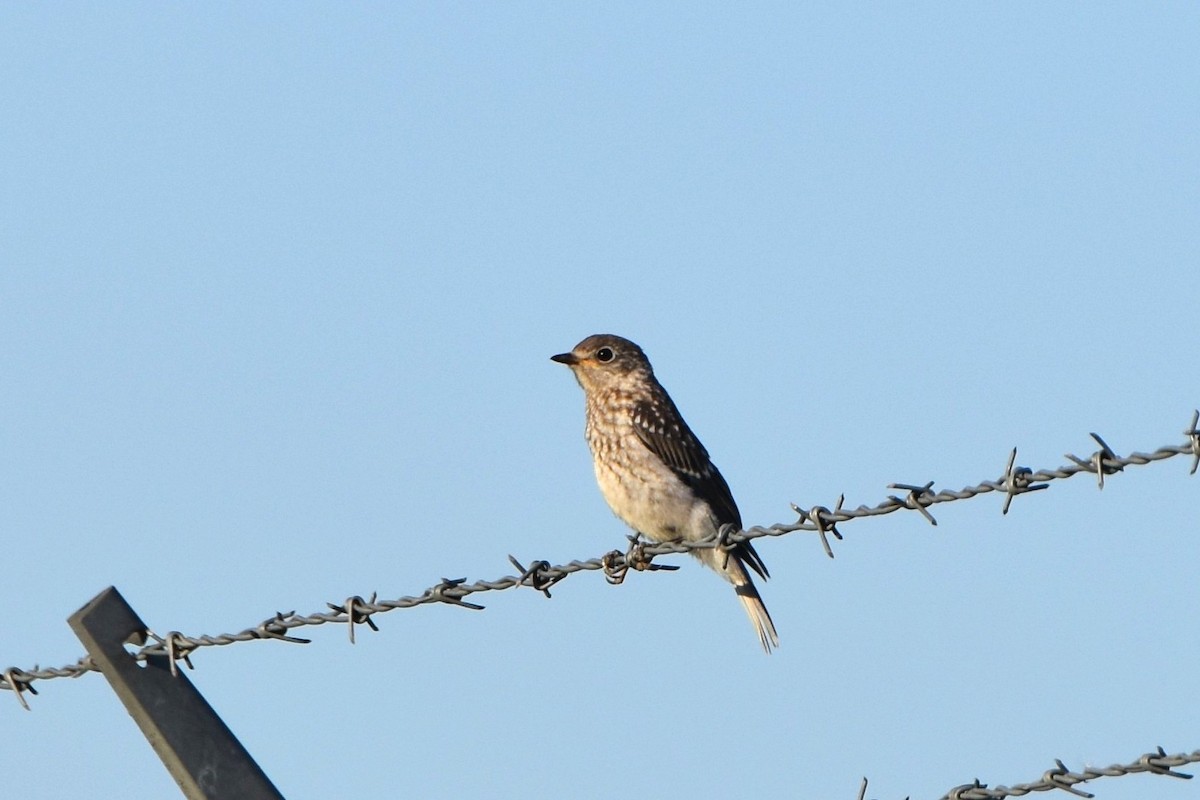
[{"x": 617, "y": 564}]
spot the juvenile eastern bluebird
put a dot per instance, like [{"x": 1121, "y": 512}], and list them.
[{"x": 653, "y": 471}]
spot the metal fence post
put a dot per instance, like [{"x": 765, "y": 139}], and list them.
[{"x": 197, "y": 748}]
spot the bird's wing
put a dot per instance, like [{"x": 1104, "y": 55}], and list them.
[{"x": 661, "y": 428}]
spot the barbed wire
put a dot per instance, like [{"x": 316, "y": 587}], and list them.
[
  {"x": 542, "y": 576},
  {"x": 1157, "y": 763}
]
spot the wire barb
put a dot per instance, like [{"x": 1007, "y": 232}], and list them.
[
  {"x": 917, "y": 499},
  {"x": 1102, "y": 462},
  {"x": 962, "y": 792},
  {"x": 358, "y": 612},
  {"x": 726, "y": 542},
  {"x": 1194, "y": 438},
  {"x": 824, "y": 521},
  {"x": 1151, "y": 761},
  {"x": 19, "y": 682},
  {"x": 540, "y": 575},
  {"x": 451, "y": 592},
  {"x": 276, "y": 627},
  {"x": 1062, "y": 778},
  {"x": 174, "y": 646},
  {"x": 1016, "y": 481}
]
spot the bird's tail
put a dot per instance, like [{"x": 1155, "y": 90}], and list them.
[
  {"x": 757, "y": 611},
  {"x": 732, "y": 566}
]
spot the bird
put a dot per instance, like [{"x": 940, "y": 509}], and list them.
[{"x": 653, "y": 472}]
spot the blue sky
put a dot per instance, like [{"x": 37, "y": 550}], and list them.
[{"x": 278, "y": 288}]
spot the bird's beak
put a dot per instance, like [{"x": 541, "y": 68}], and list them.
[{"x": 570, "y": 359}]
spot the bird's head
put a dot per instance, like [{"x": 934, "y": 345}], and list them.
[{"x": 604, "y": 360}]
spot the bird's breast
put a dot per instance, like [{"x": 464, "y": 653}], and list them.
[{"x": 639, "y": 487}]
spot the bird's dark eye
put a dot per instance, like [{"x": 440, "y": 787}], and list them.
[{"x": 604, "y": 354}]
